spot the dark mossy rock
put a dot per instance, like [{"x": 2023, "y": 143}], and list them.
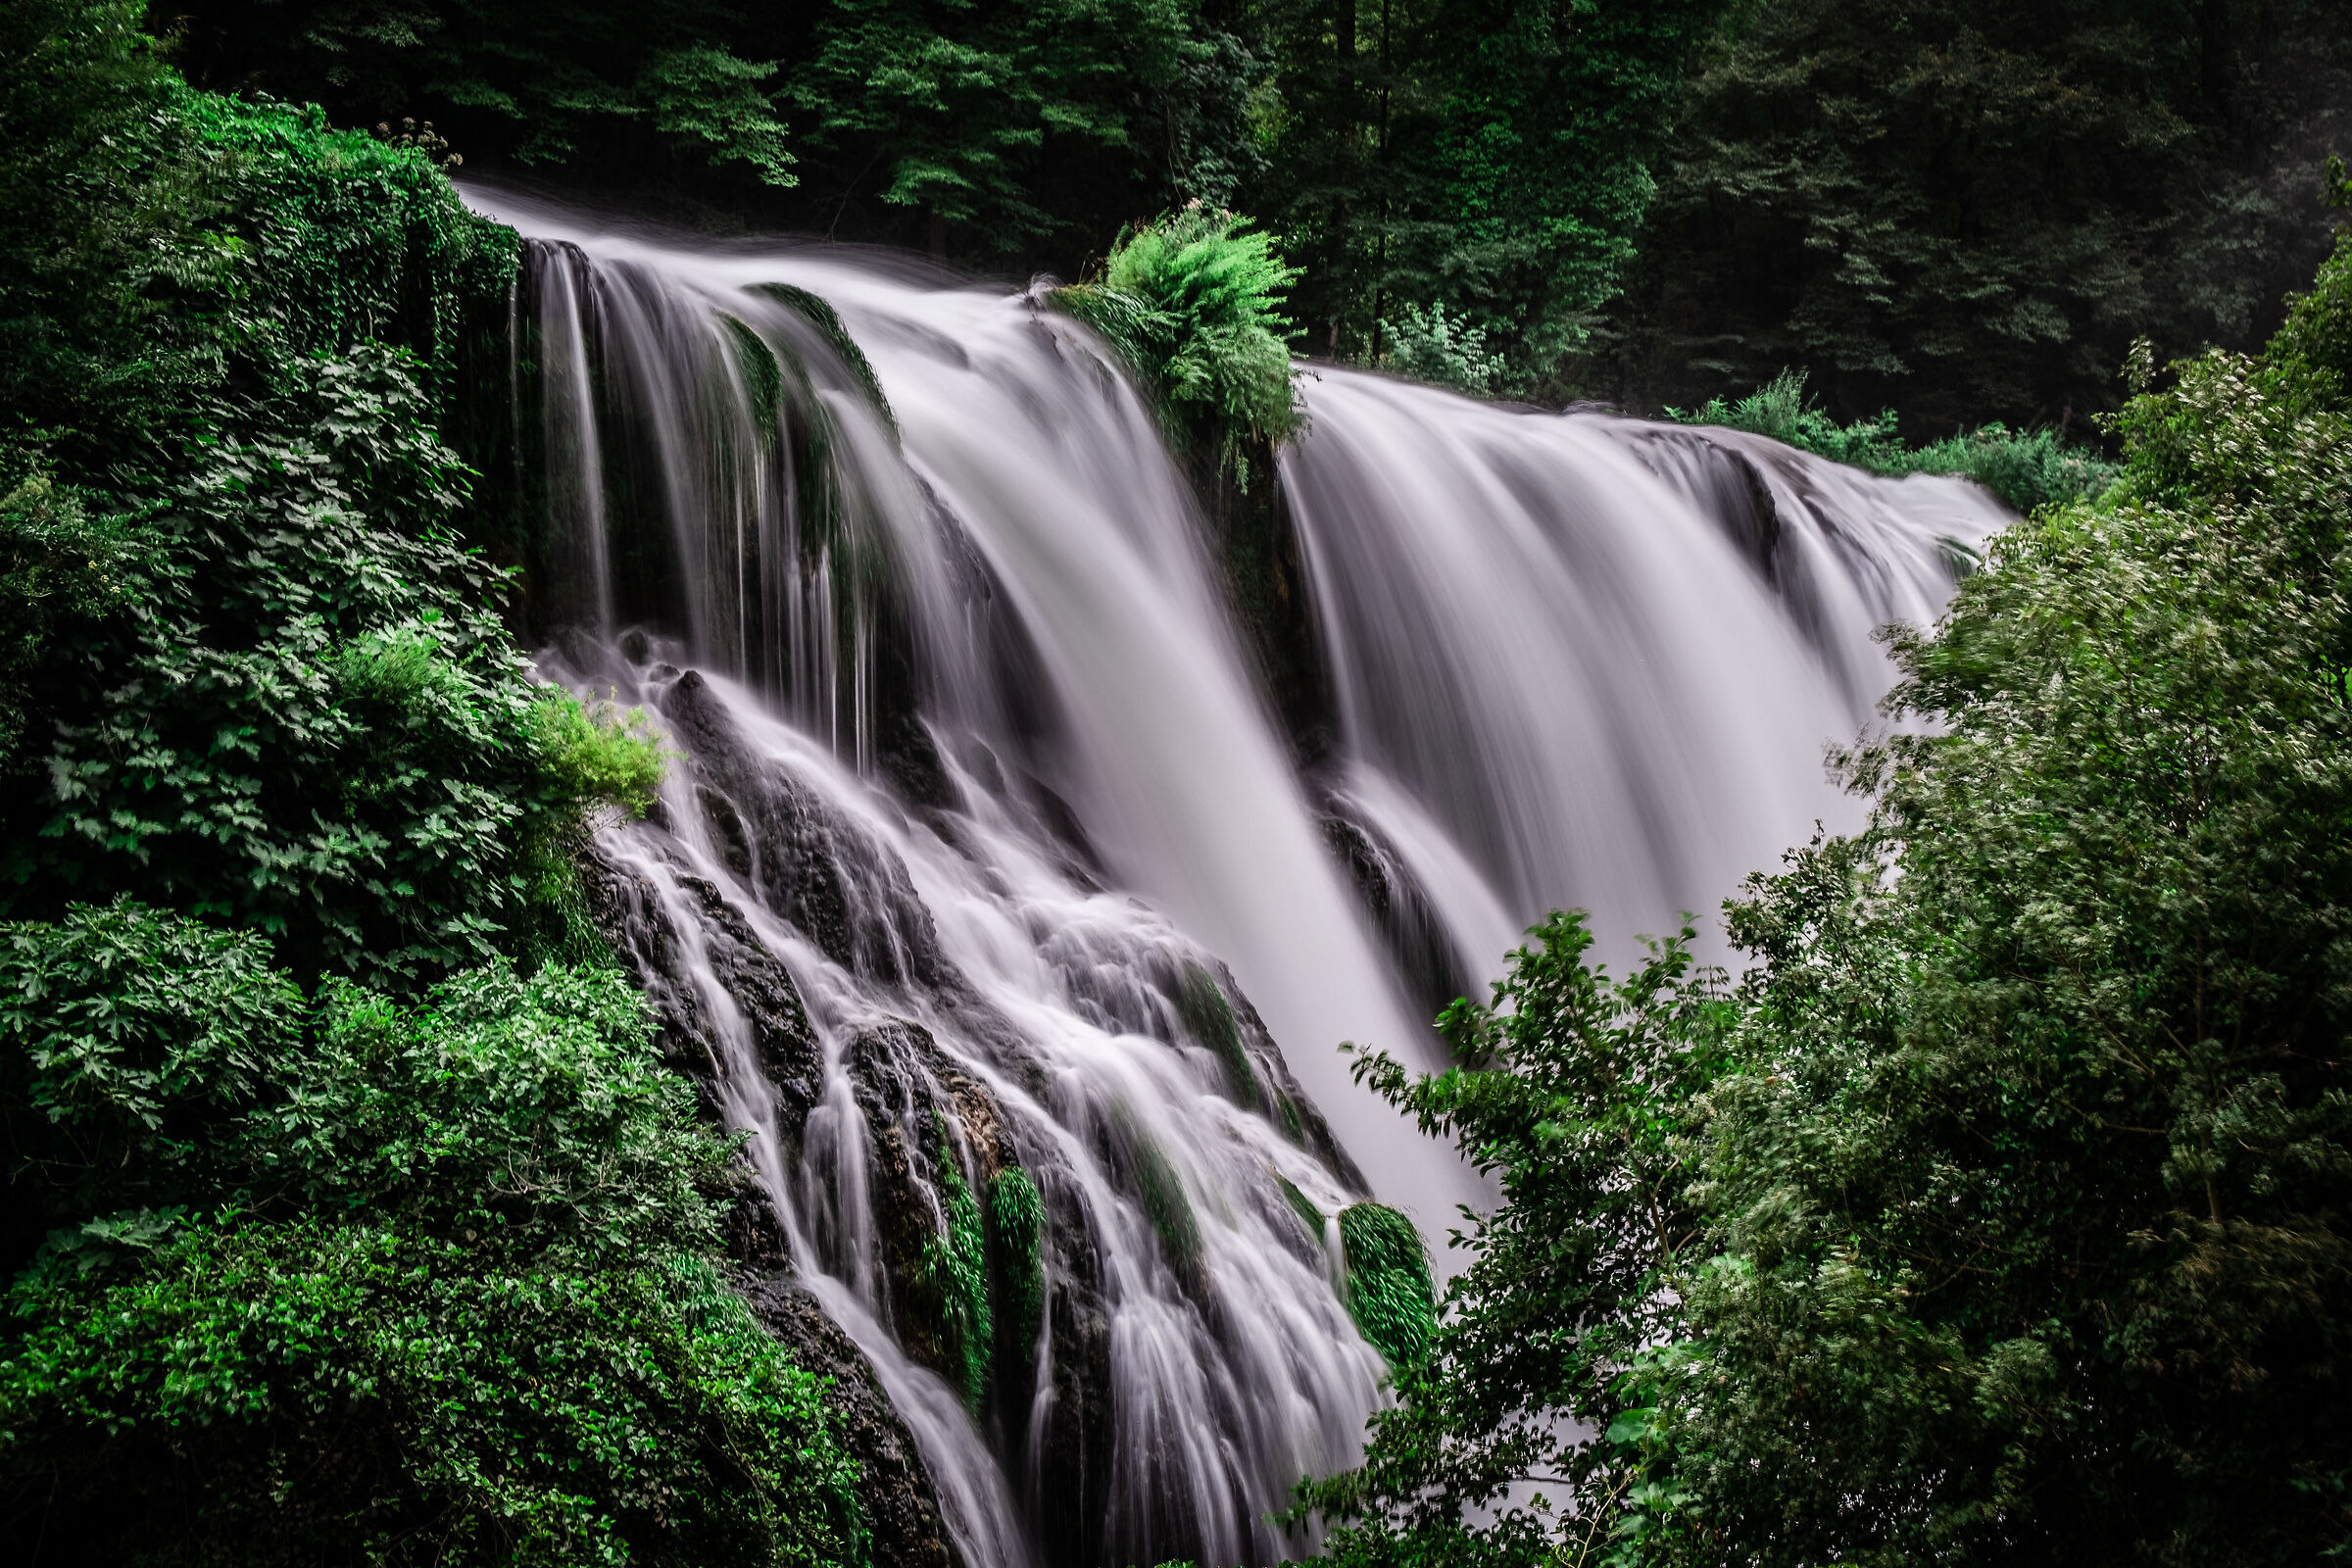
[
  {"x": 901, "y": 1509},
  {"x": 1266, "y": 583},
  {"x": 1402, "y": 913},
  {"x": 642, "y": 932},
  {"x": 830, "y": 878}
]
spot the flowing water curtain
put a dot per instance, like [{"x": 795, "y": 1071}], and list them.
[
  {"x": 1592, "y": 662},
  {"x": 705, "y": 466},
  {"x": 982, "y": 1015}
]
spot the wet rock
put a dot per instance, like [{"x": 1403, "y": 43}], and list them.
[
  {"x": 901, "y": 1505},
  {"x": 917, "y": 1187},
  {"x": 658, "y": 957},
  {"x": 1401, "y": 912},
  {"x": 1071, "y": 1491},
  {"x": 825, "y": 874}
]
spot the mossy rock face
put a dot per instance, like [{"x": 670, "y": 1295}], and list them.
[
  {"x": 934, "y": 1251},
  {"x": 637, "y": 926},
  {"x": 1388, "y": 1288},
  {"x": 1142, "y": 1168},
  {"x": 1208, "y": 1017}
]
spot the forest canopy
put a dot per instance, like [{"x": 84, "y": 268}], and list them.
[{"x": 1963, "y": 209}]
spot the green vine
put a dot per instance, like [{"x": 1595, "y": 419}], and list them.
[
  {"x": 1016, "y": 1219},
  {"x": 1388, "y": 1288}
]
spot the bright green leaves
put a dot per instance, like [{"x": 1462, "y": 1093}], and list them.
[
  {"x": 428, "y": 1279},
  {"x": 127, "y": 1043},
  {"x": 1388, "y": 1289},
  {"x": 154, "y": 1059},
  {"x": 713, "y": 101},
  {"x": 1193, "y": 302}
]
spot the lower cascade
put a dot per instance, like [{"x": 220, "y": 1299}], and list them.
[{"x": 985, "y": 880}]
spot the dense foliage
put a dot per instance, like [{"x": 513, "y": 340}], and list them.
[
  {"x": 1487, "y": 158},
  {"x": 1962, "y": 209},
  {"x": 373, "y": 1282},
  {"x": 328, "y": 1235},
  {"x": 252, "y": 669},
  {"x": 1999, "y": 1213},
  {"x": 1968, "y": 208}
]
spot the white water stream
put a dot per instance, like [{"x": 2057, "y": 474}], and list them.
[{"x": 1563, "y": 675}]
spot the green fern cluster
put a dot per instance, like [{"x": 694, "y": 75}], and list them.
[{"x": 1193, "y": 301}]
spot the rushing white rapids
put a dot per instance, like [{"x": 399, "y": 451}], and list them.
[{"x": 970, "y": 752}]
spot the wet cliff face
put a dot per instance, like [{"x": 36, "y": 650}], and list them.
[
  {"x": 1026, "y": 789},
  {"x": 1048, "y": 1211}
]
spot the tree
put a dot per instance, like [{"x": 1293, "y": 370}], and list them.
[
  {"x": 1488, "y": 158},
  {"x": 1968, "y": 210},
  {"x": 2011, "y": 1224}
]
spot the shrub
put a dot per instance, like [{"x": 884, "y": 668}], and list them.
[
  {"x": 2026, "y": 469},
  {"x": 1430, "y": 345},
  {"x": 402, "y": 1282},
  {"x": 1193, "y": 302}
]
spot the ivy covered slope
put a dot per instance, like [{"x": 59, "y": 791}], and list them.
[
  {"x": 349, "y": 1214},
  {"x": 2002, "y": 1212}
]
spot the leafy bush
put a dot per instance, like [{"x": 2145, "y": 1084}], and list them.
[
  {"x": 306, "y": 720},
  {"x": 1193, "y": 303},
  {"x": 2000, "y": 1214},
  {"x": 1449, "y": 350},
  {"x": 404, "y": 1283},
  {"x": 255, "y": 673},
  {"x": 2026, "y": 469}
]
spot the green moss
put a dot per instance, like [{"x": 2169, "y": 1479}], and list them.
[
  {"x": 1388, "y": 1288},
  {"x": 957, "y": 1264},
  {"x": 826, "y": 323},
  {"x": 1016, "y": 1223},
  {"x": 762, "y": 376},
  {"x": 1303, "y": 1205},
  {"x": 1208, "y": 1017},
  {"x": 1161, "y": 1192}
]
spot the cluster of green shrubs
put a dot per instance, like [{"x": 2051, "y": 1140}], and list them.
[
  {"x": 2001, "y": 1213},
  {"x": 2026, "y": 468},
  {"x": 343, "y": 1276},
  {"x": 349, "y": 1213}
]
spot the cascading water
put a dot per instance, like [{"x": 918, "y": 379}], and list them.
[
  {"x": 1587, "y": 662},
  {"x": 982, "y": 857}
]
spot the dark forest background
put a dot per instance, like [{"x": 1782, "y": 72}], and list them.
[{"x": 1963, "y": 208}]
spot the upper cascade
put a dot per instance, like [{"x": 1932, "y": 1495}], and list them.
[{"x": 985, "y": 881}]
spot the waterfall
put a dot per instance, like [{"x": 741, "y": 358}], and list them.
[
  {"x": 1587, "y": 662},
  {"x": 987, "y": 882}
]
